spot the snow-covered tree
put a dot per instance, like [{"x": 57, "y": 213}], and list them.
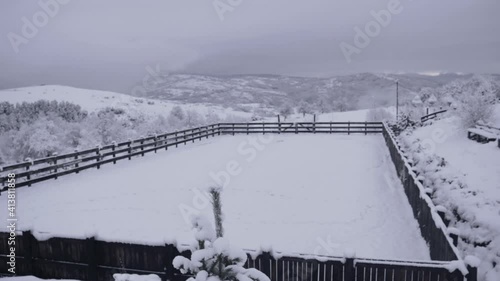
[
  {"x": 214, "y": 258},
  {"x": 305, "y": 108},
  {"x": 286, "y": 110}
]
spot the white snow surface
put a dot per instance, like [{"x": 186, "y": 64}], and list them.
[{"x": 312, "y": 194}]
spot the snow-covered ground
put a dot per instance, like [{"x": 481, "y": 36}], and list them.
[
  {"x": 93, "y": 100},
  {"x": 297, "y": 194},
  {"x": 471, "y": 188}
]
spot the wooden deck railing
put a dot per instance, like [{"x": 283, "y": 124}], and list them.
[{"x": 30, "y": 172}]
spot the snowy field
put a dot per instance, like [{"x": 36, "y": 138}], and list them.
[{"x": 297, "y": 194}]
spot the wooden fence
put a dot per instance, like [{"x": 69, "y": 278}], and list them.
[
  {"x": 90, "y": 259},
  {"x": 432, "y": 226},
  {"x": 30, "y": 172},
  {"x": 432, "y": 115}
]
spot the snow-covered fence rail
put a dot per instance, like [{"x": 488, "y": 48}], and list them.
[
  {"x": 91, "y": 259},
  {"x": 432, "y": 115},
  {"x": 30, "y": 172}
]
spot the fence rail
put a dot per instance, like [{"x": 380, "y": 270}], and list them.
[
  {"x": 432, "y": 115},
  {"x": 91, "y": 259},
  {"x": 38, "y": 170}
]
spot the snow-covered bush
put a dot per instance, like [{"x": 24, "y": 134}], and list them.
[
  {"x": 476, "y": 106},
  {"x": 213, "y": 258}
]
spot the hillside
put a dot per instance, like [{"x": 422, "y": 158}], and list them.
[{"x": 359, "y": 91}]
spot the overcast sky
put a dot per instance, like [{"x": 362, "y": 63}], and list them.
[{"x": 107, "y": 44}]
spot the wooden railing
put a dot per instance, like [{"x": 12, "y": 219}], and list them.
[
  {"x": 30, "y": 172},
  {"x": 432, "y": 115},
  {"x": 94, "y": 260}
]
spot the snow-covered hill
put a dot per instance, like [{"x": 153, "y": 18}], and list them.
[{"x": 93, "y": 100}]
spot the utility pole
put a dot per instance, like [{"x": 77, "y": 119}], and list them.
[{"x": 397, "y": 100}]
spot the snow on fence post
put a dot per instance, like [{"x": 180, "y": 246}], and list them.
[
  {"x": 91, "y": 258},
  {"x": 28, "y": 241}
]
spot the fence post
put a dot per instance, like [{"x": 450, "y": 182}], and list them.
[
  {"x": 92, "y": 259},
  {"x": 330, "y": 127},
  {"x": 184, "y": 138},
  {"x": 28, "y": 177},
  {"x": 76, "y": 159},
  {"x": 233, "y": 129},
  {"x": 263, "y": 128},
  {"x": 156, "y": 141},
  {"x": 348, "y": 127},
  {"x": 55, "y": 168},
  {"x": 176, "y": 140},
  {"x": 193, "y": 134},
  {"x": 129, "y": 149},
  {"x": 114, "y": 154},
  {"x": 170, "y": 253},
  {"x": 314, "y": 124},
  {"x": 166, "y": 142},
  {"x": 266, "y": 259},
  {"x": 472, "y": 275},
  {"x": 98, "y": 153},
  {"x": 349, "y": 269},
  {"x": 28, "y": 240},
  {"x": 248, "y": 126},
  {"x": 366, "y": 128},
  {"x": 279, "y": 124},
  {"x": 142, "y": 146},
  {"x": 296, "y": 128}
]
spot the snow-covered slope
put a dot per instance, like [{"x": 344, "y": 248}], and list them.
[
  {"x": 93, "y": 100},
  {"x": 465, "y": 178}
]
